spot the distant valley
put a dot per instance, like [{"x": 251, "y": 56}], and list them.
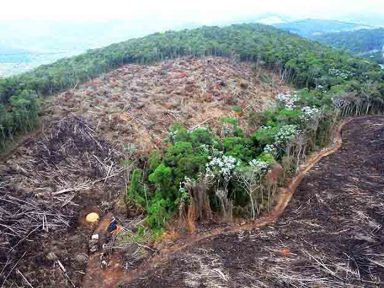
[
  {"x": 361, "y": 40},
  {"x": 25, "y": 45},
  {"x": 310, "y": 28},
  {"x": 15, "y": 61}
]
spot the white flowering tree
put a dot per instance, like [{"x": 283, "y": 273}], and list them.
[
  {"x": 250, "y": 178},
  {"x": 221, "y": 170},
  {"x": 287, "y": 100},
  {"x": 293, "y": 141}
]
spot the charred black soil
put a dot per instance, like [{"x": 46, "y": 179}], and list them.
[{"x": 330, "y": 235}]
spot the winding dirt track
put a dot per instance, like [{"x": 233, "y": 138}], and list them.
[{"x": 154, "y": 272}]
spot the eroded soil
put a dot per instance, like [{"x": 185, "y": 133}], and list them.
[{"x": 330, "y": 235}]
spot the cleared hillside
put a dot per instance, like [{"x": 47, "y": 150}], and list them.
[
  {"x": 106, "y": 145},
  {"x": 136, "y": 104}
]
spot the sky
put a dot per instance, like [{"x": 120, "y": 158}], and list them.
[
  {"x": 176, "y": 12},
  {"x": 76, "y": 25},
  {"x": 69, "y": 27}
]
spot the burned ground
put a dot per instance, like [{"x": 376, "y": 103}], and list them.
[{"x": 331, "y": 234}]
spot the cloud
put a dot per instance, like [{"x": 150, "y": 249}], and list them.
[{"x": 177, "y": 11}]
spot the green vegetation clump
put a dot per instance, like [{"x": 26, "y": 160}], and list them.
[
  {"x": 230, "y": 171},
  {"x": 20, "y": 115},
  {"x": 136, "y": 191},
  {"x": 235, "y": 173}
]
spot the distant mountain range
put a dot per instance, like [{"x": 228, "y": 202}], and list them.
[
  {"x": 311, "y": 28},
  {"x": 361, "y": 40},
  {"x": 365, "y": 43}
]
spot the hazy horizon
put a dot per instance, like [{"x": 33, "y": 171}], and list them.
[
  {"x": 173, "y": 11},
  {"x": 48, "y": 30}
]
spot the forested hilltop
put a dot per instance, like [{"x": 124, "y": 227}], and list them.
[
  {"x": 365, "y": 42},
  {"x": 301, "y": 62}
]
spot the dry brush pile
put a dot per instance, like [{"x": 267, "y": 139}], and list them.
[{"x": 136, "y": 104}]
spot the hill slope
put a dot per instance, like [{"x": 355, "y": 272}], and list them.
[
  {"x": 95, "y": 133},
  {"x": 120, "y": 116},
  {"x": 256, "y": 42}
]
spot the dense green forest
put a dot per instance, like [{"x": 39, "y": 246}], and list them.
[
  {"x": 299, "y": 61},
  {"x": 365, "y": 42}
]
